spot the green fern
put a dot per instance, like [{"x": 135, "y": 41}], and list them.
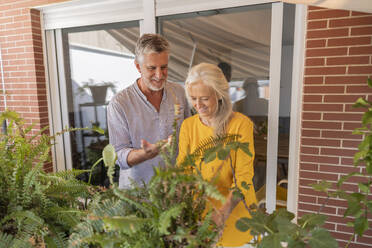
[
  {"x": 36, "y": 208},
  {"x": 212, "y": 142}
]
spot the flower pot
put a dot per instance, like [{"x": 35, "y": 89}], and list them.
[{"x": 98, "y": 93}]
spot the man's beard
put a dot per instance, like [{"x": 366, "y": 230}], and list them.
[{"x": 152, "y": 87}]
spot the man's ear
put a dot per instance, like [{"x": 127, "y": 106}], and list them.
[{"x": 137, "y": 66}]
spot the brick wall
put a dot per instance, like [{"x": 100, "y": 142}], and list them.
[
  {"x": 22, "y": 58},
  {"x": 337, "y": 63}
]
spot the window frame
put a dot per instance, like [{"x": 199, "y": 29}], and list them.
[{"x": 55, "y": 17}]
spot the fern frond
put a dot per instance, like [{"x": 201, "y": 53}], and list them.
[
  {"x": 167, "y": 216},
  {"x": 6, "y": 240},
  {"x": 124, "y": 224},
  {"x": 213, "y": 141},
  {"x": 56, "y": 239},
  {"x": 138, "y": 205}
]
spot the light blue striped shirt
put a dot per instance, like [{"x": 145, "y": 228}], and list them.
[{"x": 131, "y": 117}]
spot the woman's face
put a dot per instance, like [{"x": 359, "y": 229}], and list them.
[{"x": 203, "y": 99}]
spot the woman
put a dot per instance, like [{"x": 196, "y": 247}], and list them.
[{"x": 208, "y": 92}]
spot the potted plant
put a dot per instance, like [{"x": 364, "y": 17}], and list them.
[{"x": 98, "y": 90}]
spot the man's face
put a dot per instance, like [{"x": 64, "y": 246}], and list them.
[{"x": 154, "y": 70}]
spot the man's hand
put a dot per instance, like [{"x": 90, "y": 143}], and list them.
[
  {"x": 151, "y": 150},
  {"x": 147, "y": 151}
]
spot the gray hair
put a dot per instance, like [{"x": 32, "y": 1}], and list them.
[
  {"x": 212, "y": 76},
  {"x": 150, "y": 43}
]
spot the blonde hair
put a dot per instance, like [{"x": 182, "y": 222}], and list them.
[{"x": 212, "y": 76}]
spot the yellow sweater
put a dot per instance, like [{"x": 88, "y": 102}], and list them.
[{"x": 192, "y": 132}]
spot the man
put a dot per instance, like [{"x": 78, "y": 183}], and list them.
[{"x": 143, "y": 114}]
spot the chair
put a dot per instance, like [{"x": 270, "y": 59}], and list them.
[{"x": 281, "y": 195}]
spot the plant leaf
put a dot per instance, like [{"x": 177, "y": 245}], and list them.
[
  {"x": 126, "y": 224},
  {"x": 360, "y": 225},
  {"x": 242, "y": 224},
  {"x": 321, "y": 238},
  {"x": 109, "y": 156},
  {"x": 245, "y": 148},
  {"x": 223, "y": 154}
]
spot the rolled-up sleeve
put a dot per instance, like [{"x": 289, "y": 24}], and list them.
[
  {"x": 119, "y": 134},
  {"x": 244, "y": 163}
]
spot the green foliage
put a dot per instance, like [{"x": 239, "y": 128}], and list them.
[
  {"x": 168, "y": 212},
  {"x": 278, "y": 230},
  {"x": 36, "y": 208}
]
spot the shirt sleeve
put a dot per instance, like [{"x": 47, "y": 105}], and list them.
[
  {"x": 119, "y": 134},
  {"x": 244, "y": 163}
]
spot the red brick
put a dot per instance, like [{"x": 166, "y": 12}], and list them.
[
  {"x": 320, "y": 142},
  {"x": 349, "y": 41},
  {"x": 316, "y": 208},
  {"x": 314, "y": 62},
  {"x": 358, "y": 21},
  {"x": 358, "y": 89},
  {"x": 340, "y": 134},
  {"x": 327, "y": 33},
  {"x": 341, "y": 98},
  {"x": 348, "y": 60},
  {"x": 308, "y": 166},
  {"x": 311, "y": 116},
  {"x": 360, "y": 70},
  {"x": 310, "y": 191},
  {"x": 345, "y": 79},
  {"x": 310, "y": 133},
  {"x": 309, "y": 150},
  {"x": 339, "y": 235},
  {"x": 16, "y": 50},
  {"x": 360, "y": 50},
  {"x": 342, "y": 117},
  {"x": 325, "y": 70},
  {"x": 307, "y": 182},
  {"x": 321, "y": 125},
  {"x": 361, "y": 31},
  {"x": 337, "y": 168},
  {"x": 312, "y": 98},
  {"x": 365, "y": 239},
  {"x": 315, "y": 43},
  {"x": 322, "y": 52},
  {"x": 350, "y": 143},
  {"x": 14, "y": 25},
  {"x": 350, "y": 108},
  {"x": 351, "y": 126},
  {"x": 317, "y": 24},
  {"x": 333, "y": 202},
  {"x": 313, "y": 80},
  {"x": 324, "y": 89},
  {"x": 323, "y": 107},
  {"x": 357, "y": 13},
  {"x": 306, "y": 198},
  {"x": 338, "y": 152},
  {"x": 318, "y": 176},
  {"x": 327, "y": 13}
]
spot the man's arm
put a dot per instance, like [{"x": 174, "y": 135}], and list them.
[
  {"x": 148, "y": 151},
  {"x": 119, "y": 135}
]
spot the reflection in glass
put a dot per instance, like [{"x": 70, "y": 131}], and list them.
[
  {"x": 99, "y": 63},
  {"x": 238, "y": 41}
]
